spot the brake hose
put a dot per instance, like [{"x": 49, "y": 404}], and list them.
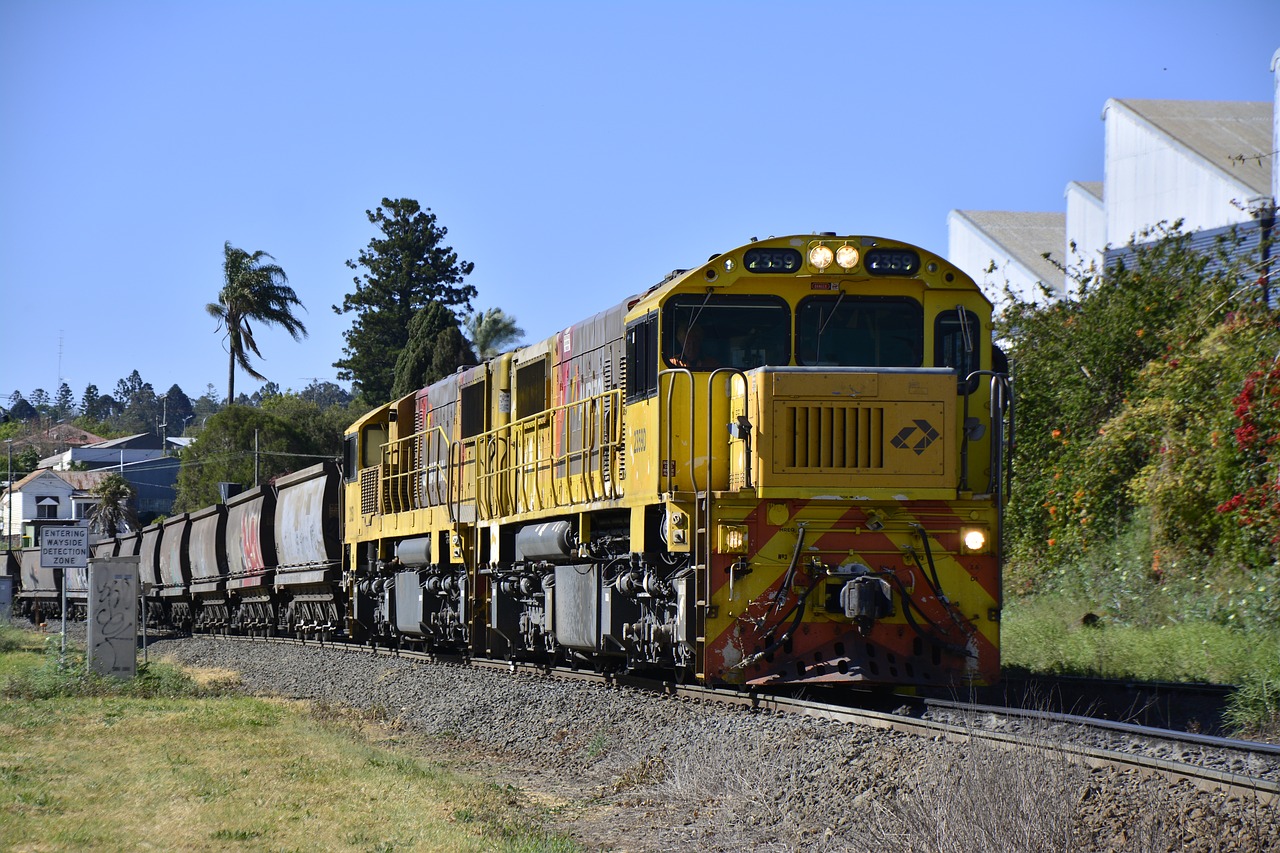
[{"x": 780, "y": 595}]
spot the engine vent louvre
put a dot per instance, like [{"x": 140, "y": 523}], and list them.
[
  {"x": 834, "y": 437},
  {"x": 622, "y": 439},
  {"x": 369, "y": 491}
]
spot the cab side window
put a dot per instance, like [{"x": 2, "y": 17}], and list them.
[
  {"x": 642, "y": 358},
  {"x": 350, "y": 466},
  {"x": 957, "y": 338},
  {"x": 373, "y": 437}
]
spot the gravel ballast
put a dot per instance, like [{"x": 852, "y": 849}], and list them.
[{"x": 629, "y": 770}]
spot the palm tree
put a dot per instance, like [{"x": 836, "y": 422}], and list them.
[
  {"x": 257, "y": 291},
  {"x": 492, "y": 330},
  {"x": 114, "y": 512}
]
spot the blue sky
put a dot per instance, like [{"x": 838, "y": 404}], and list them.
[{"x": 576, "y": 151}]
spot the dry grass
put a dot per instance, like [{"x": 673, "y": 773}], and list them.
[
  {"x": 756, "y": 799},
  {"x": 222, "y": 772},
  {"x": 816, "y": 791},
  {"x": 979, "y": 797},
  {"x": 212, "y": 679},
  {"x": 940, "y": 797},
  {"x": 195, "y": 775}
]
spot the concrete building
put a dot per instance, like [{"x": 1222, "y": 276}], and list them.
[
  {"x": 1006, "y": 250},
  {"x": 1207, "y": 163},
  {"x": 1210, "y": 164}
]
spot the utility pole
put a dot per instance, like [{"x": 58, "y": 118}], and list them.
[
  {"x": 164, "y": 424},
  {"x": 255, "y": 459},
  {"x": 8, "y": 523}
]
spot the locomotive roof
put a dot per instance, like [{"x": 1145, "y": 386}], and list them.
[
  {"x": 933, "y": 273},
  {"x": 935, "y": 278}
]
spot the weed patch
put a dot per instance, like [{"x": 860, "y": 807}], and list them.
[{"x": 53, "y": 675}]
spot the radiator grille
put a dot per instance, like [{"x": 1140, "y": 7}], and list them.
[
  {"x": 369, "y": 491},
  {"x": 832, "y": 436}
]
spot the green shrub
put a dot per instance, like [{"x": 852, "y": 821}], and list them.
[{"x": 1155, "y": 389}]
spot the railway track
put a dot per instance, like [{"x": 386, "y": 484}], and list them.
[
  {"x": 1209, "y": 762},
  {"x": 1193, "y": 707}
]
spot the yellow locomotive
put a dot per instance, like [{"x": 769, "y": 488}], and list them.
[{"x": 784, "y": 466}]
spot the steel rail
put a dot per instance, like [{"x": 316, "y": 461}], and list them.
[
  {"x": 1132, "y": 729},
  {"x": 1267, "y": 791}
]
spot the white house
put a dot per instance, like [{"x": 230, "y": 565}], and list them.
[{"x": 45, "y": 494}]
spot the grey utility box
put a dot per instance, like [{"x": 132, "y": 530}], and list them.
[{"x": 113, "y": 616}]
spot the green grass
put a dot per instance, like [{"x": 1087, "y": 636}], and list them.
[
  {"x": 182, "y": 762},
  {"x": 1155, "y": 616},
  {"x": 1048, "y": 634}
]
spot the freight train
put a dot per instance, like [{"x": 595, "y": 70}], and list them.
[
  {"x": 785, "y": 466},
  {"x": 222, "y": 568}
]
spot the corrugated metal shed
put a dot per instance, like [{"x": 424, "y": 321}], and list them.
[{"x": 1241, "y": 243}]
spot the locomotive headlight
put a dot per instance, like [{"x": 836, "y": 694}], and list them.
[
  {"x": 732, "y": 538},
  {"x": 973, "y": 540},
  {"x": 821, "y": 256},
  {"x": 847, "y": 257}
]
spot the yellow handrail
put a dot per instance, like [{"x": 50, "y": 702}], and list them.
[{"x": 494, "y": 471}]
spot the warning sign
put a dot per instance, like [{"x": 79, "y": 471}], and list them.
[{"x": 64, "y": 548}]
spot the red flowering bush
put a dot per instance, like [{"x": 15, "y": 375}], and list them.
[{"x": 1255, "y": 507}]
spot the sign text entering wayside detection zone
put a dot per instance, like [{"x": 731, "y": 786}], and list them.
[{"x": 64, "y": 548}]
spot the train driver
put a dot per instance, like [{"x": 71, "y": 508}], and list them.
[{"x": 690, "y": 353}]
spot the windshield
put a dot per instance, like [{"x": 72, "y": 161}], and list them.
[
  {"x": 713, "y": 331},
  {"x": 859, "y": 331}
]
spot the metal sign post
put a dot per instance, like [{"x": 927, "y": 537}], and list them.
[{"x": 64, "y": 548}]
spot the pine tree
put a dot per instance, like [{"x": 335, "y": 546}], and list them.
[
  {"x": 64, "y": 403},
  {"x": 435, "y": 349},
  {"x": 406, "y": 269}
]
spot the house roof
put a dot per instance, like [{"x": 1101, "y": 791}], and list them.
[
  {"x": 84, "y": 481},
  {"x": 81, "y": 481},
  {"x": 1025, "y": 237},
  {"x": 67, "y": 435},
  {"x": 140, "y": 441},
  {"x": 1235, "y": 137},
  {"x": 30, "y": 478},
  {"x": 72, "y": 435}
]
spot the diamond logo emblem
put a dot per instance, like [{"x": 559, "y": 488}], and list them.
[{"x": 903, "y": 440}]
